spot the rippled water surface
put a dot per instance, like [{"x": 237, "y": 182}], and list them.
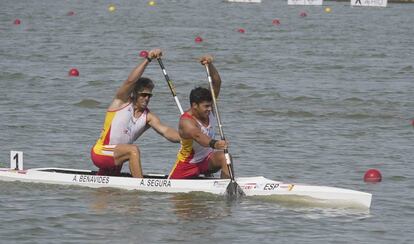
[{"x": 318, "y": 99}]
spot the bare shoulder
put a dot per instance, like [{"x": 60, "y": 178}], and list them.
[
  {"x": 187, "y": 122},
  {"x": 188, "y": 128},
  {"x": 152, "y": 119}
]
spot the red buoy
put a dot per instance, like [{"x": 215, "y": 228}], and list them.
[
  {"x": 276, "y": 22},
  {"x": 303, "y": 14},
  {"x": 17, "y": 22},
  {"x": 70, "y": 13},
  {"x": 241, "y": 30},
  {"x": 198, "y": 39},
  {"x": 73, "y": 72},
  {"x": 412, "y": 122},
  {"x": 143, "y": 54},
  {"x": 372, "y": 175}
]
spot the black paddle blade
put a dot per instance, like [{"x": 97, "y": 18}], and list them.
[{"x": 234, "y": 191}]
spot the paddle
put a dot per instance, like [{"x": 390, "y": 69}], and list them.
[
  {"x": 233, "y": 189},
  {"x": 170, "y": 85}
]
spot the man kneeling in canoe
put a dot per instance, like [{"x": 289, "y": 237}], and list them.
[
  {"x": 127, "y": 118},
  {"x": 197, "y": 154}
]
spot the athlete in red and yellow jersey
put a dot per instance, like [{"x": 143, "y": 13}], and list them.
[
  {"x": 126, "y": 119},
  {"x": 197, "y": 154}
]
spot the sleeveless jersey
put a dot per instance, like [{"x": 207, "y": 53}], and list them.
[
  {"x": 120, "y": 127},
  {"x": 190, "y": 150}
]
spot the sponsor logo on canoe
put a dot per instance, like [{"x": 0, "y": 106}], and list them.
[
  {"x": 249, "y": 186},
  {"x": 155, "y": 182},
  {"x": 91, "y": 179},
  {"x": 270, "y": 186},
  {"x": 288, "y": 186},
  {"x": 220, "y": 184}
]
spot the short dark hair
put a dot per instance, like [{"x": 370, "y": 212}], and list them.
[
  {"x": 200, "y": 94},
  {"x": 140, "y": 85}
]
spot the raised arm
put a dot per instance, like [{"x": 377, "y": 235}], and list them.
[
  {"x": 208, "y": 59},
  {"x": 123, "y": 93}
]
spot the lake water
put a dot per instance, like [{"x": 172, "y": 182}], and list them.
[{"x": 317, "y": 100}]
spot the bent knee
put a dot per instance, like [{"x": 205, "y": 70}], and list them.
[
  {"x": 220, "y": 157},
  {"x": 219, "y": 160}
]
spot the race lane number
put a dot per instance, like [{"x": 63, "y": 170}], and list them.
[{"x": 16, "y": 160}]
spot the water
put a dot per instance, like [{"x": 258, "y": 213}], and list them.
[{"x": 317, "y": 100}]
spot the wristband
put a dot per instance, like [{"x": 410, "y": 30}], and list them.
[
  {"x": 149, "y": 59},
  {"x": 212, "y": 143}
]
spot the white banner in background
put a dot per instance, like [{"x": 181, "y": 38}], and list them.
[
  {"x": 244, "y": 1},
  {"x": 369, "y": 3},
  {"x": 305, "y": 2}
]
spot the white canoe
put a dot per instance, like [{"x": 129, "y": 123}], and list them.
[{"x": 252, "y": 186}]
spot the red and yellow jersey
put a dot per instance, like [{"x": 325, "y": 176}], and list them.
[
  {"x": 190, "y": 150},
  {"x": 120, "y": 127}
]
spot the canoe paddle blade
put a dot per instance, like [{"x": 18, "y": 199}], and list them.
[{"x": 234, "y": 191}]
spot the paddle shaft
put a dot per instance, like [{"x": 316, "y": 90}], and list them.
[
  {"x": 226, "y": 152},
  {"x": 170, "y": 85}
]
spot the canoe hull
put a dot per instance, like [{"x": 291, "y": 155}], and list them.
[{"x": 252, "y": 186}]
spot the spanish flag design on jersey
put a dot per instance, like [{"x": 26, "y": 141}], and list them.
[
  {"x": 120, "y": 127},
  {"x": 191, "y": 151}
]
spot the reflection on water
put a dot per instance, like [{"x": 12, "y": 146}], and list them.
[
  {"x": 150, "y": 217},
  {"x": 200, "y": 206},
  {"x": 120, "y": 201},
  {"x": 185, "y": 206}
]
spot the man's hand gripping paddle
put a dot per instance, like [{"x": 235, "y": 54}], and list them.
[{"x": 144, "y": 54}]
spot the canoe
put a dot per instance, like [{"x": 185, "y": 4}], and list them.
[{"x": 252, "y": 186}]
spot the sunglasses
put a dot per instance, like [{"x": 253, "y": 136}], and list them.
[{"x": 143, "y": 94}]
